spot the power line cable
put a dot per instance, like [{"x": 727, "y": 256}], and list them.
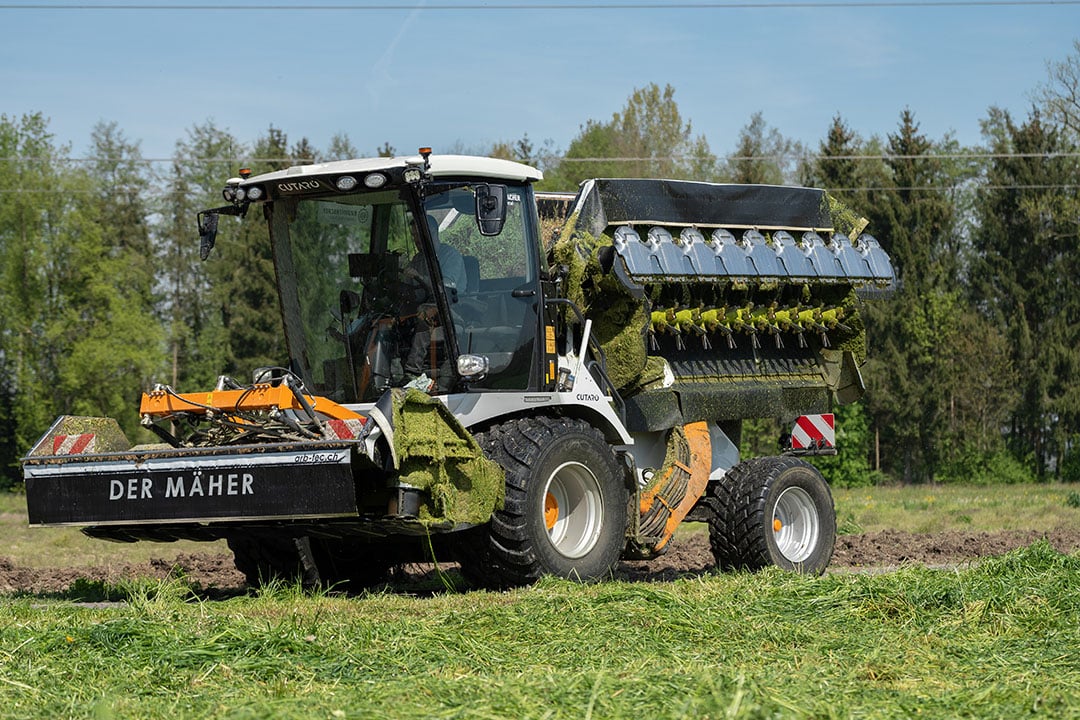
[
  {"x": 970, "y": 186},
  {"x": 563, "y": 158},
  {"x": 819, "y": 157},
  {"x": 491, "y": 7}
]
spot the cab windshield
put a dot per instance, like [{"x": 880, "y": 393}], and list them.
[{"x": 365, "y": 310}]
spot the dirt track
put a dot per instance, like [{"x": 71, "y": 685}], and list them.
[{"x": 216, "y": 575}]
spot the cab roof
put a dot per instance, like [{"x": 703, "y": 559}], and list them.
[{"x": 441, "y": 166}]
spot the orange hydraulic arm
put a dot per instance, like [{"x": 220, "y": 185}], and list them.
[
  {"x": 260, "y": 397},
  {"x": 667, "y": 502}
]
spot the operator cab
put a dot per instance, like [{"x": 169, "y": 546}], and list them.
[{"x": 429, "y": 281}]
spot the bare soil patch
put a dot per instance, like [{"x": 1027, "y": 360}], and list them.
[
  {"x": 878, "y": 550},
  {"x": 215, "y": 575}
]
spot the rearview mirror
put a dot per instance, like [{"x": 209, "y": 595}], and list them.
[
  {"x": 490, "y": 208},
  {"x": 208, "y": 222},
  {"x": 208, "y": 226}
]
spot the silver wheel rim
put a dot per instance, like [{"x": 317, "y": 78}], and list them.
[
  {"x": 795, "y": 524},
  {"x": 573, "y": 509}
]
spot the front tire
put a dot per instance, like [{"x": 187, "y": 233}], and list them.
[
  {"x": 565, "y": 509},
  {"x": 773, "y": 511}
]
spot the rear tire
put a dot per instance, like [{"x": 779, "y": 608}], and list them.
[
  {"x": 565, "y": 510},
  {"x": 773, "y": 511}
]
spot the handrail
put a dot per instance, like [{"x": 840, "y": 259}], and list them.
[{"x": 599, "y": 366}]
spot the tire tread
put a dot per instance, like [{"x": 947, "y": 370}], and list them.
[
  {"x": 501, "y": 554},
  {"x": 738, "y": 530}
]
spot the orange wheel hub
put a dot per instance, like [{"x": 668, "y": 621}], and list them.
[
  {"x": 551, "y": 510},
  {"x": 777, "y": 526}
]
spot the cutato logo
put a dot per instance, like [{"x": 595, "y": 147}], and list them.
[{"x": 302, "y": 186}]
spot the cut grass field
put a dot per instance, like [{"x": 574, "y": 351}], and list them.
[
  {"x": 994, "y": 641},
  {"x": 997, "y": 640},
  {"x": 942, "y": 508}
]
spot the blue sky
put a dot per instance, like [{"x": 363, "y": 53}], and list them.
[{"x": 463, "y": 79}]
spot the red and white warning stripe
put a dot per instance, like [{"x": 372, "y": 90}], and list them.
[
  {"x": 814, "y": 432},
  {"x": 344, "y": 429},
  {"x": 73, "y": 444}
]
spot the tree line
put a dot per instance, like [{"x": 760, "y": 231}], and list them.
[{"x": 974, "y": 359}]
